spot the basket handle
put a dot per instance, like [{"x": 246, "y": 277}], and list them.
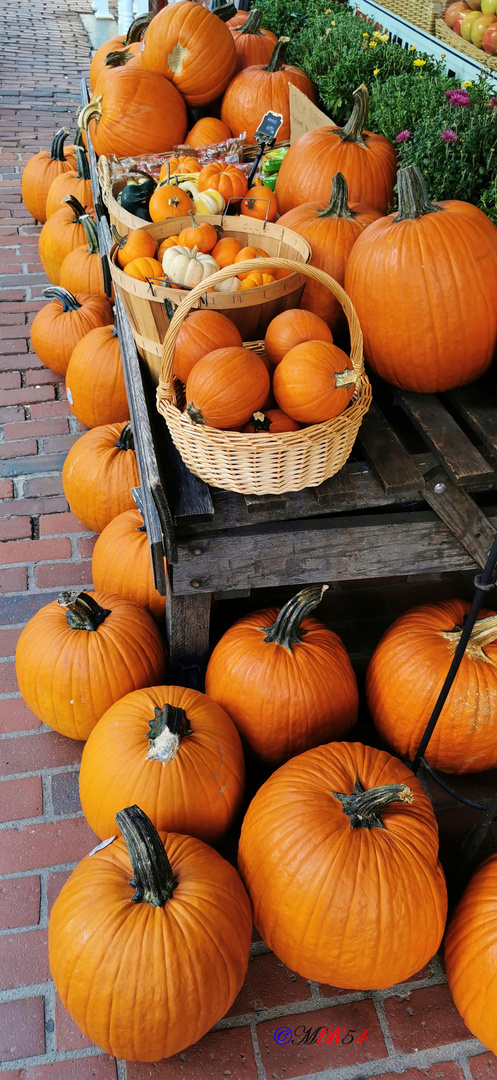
[
  {"x": 165, "y": 389},
  {"x": 104, "y": 177}
]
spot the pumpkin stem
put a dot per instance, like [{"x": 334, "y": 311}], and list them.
[
  {"x": 483, "y": 633},
  {"x": 74, "y": 203},
  {"x": 278, "y": 55},
  {"x": 167, "y": 729},
  {"x": 169, "y": 309},
  {"x": 153, "y": 877},
  {"x": 68, "y": 301},
  {"x": 118, "y": 58},
  {"x": 194, "y": 414},
  {"x": 287, "y": 630},
  {"x": 125, "y": 440},
  {"x": 82, "y": 611},
  {"x": 117, "y": 238},
  {"x": 252, "y": 23},
  {"x": 352, "y": 131},
  {"x": 91, "y": 234},
  {"x": 261, "y": 422},
  {"x": 92, "y": 111},
  {"x": 137, "y": 29},
  {"x": 57, "y": 149},
  {"x": 338, "y": 205},
  {"x": 346, "y": 378},
  {"x": 365, "y": 807},
  {"x": 414, "y": 201},
  {"x": 195, "y": 224},
  {"x": 78, "y": 138},
  {"x": 82, "y": 160},
  {"x": 224, "y": 9}
]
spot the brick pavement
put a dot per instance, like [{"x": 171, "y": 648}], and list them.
[{"x": 415, "y": 1029}]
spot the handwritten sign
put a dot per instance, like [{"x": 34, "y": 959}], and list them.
[{"x": 304, "y": 116}]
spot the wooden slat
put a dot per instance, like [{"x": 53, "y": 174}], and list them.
[
  {"x": 256, "y": 503},
  {"x": 462, "y": 516},
  {"x": 457, "y": 455},
  {"x": 475, "y": 405},
  {"x": 338, "y": 487},
  {"x": 187, "y": 625},
  {"x": 389, "y": 460},
  {"x": 191, "y": 497}
]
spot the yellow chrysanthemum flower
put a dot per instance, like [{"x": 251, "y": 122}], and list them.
[
  {"x": 373, "y": 44},
  {"x": 376, "y": 71},
  {"x": 412, "y": 48},
  {"x": 419, "y": 63},
  {"x": 466, "y": 84}
]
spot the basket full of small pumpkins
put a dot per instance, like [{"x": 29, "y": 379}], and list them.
[{"x": 267, "y": 416}]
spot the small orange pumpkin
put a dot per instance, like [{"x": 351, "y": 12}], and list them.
[
  {"x": 169, "y": 200},
  {"x": 291, "y": 328},
  {"x": 144, "y": 268},
  {"x": 207, "y": 132},
  {"x": 203, "y": 237},
  {"x": 81, "y": 271},
  {"x": 121, "y": 563},
  {"x": 250, "y": 253},
  {"x": 230, "y": 181},
  {"x": 181, "y": 164},
  {"x": 255, "y": 279},
  {"x": 136, "y": 245},
  {"x": 226, "y": 387},
  {"x": 226, "y": 250},
  {"x": 94, "y": 380},
  {"x": 170, "y": 241},
  {"x": 59, "y": 326},
  {"x": 271, "y": 421},
  {"x": 314, "y": 382},
  {"x": 201, "y": 333},
  {"x": 261, "y": 203}
]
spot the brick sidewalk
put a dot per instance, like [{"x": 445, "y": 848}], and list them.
[{"x": 415, "y": 1028}]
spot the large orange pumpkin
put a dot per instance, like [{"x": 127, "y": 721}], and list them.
[
  {"x": 94, "y": 379},
  {"x": 291, "y": 328},
  {"x": 173, "y": 751},
  {"x": 471, "y": 954},
  {"x": 134, "y": 964},
  {"x": 407, "y": 278},
  {"x": 191, "y": 46},
  {"x": 129, "y": 43},
  {"x": 260, "y": 89},
  {"x": 406, "y": 674},
  {"x": 367, "y": 161},
  {"x": 207, "y": 132},
  {"x": 98, "y": 474},
  {"x": 226, "y": 387},
  {"x": 81, "y": 270},
  {"x": 121, "y": 563},
  {"x": 137, "y": 112},
  {"x": 253, "y": 45},
  {"x": 314, "y": 382},
  {"x": 202, "y": 332},
  {"x": 339, "y": 853},
  {"x": 284, "y": 678},
  {"x": 331, "y": 232},
  {"x": 60, "y": 325},
  {"x": 41, "y": 170},
  {"x": 62, "y": 232},
  {"x": 68, "y": 183},
  {"x": 81, "y": 653}
]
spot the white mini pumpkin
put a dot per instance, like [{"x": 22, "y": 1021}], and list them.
[
  {"x": 208, "y": 202},
  {"x": 230, "y": 284},
  {"x": 188, "y": 266}
]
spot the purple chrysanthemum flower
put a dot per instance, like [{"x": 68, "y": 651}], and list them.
[
  {"x": 492, "y": 103},
  {"x": 403, "y": 136},
  {"x": 460, "y": 98},
  {"x": 449, "y": 136}
]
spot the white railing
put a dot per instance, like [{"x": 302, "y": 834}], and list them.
[{"x": 101, "y": 9}]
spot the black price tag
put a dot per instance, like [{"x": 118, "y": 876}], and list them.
[{"x": 269, "y": 127}]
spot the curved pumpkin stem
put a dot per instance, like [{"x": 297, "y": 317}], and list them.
[
  {"x": 78, "y": 138},
  {"x": 352, "y": 131},
  {"x": 92, "y": 111},
  {"x": 414, "y": 201},
  {"x": 338, "y": 206},
  {"x": 83, "y": 167},
  {"x": 194, "y": 413},
  {"x": 224, "y": 9},
  {"x": 287, "y": 630},
  {"x": 57, "y": 148},
  {"x": 74, "y": 203},
  {"x": 483, "y": 633},
  {"x": 167, "y": 729},
  {"x": 251, "y": 24},
  {"x": 137, "y": 29},
  {"x": 117, "y": 238},
  {"x": 68, "y": 301},
  {"x": 365, "y": 807},
  {"x": 91, "y": 234},
  {"x": 278, "y": 55},
  {"x": 153, "y": 877},
  {"x": 82, "y": 611},
  {"x": 125, "y": 440}
]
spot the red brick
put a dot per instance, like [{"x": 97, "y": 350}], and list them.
[
  {"x": 15, "y": 716},
  {"x": 27, "y": 395},
  {"x": 67, "y": 1033},
  {"x": 42, "y": 376},
  {"x": 13, "y": 1074},
  {"x": 55, "y": 882},
  {"x": 14, "y": 528},
  {"x": 483, "y": 1067},
  {"x": 86, "y": 546},
  {"x": 49, "y": 575},
  {"x": 11, "y": 413},
  {"x": 19, "y": 902},
  {"x": 267, "y": 983},
  {"x": 55, "y": 408},
  {"x": 21, "y": 798},
  {"x": 59, "y": 444},
  {"x": 47, "y": 749},
  {"x": 48, "y": 844},
  {"x": 53, "y": 524},
  {"x": 44, "y": 485},
  {"x": 21, "y": 551},
  {"x": 97, "y": 1067},
  {"x": 442, "y": 1070},
  {"x": 297, "y": 1059},
  {"x": 6, "y": 489},
  {"x": 8, "y": 681},
  {"x": 50, "y": 505},
  {"x": 9, "y": 380},
  {"x": 426, "y": 1018},
  {"x": 24, "y": 958},
  {"x": 22, "y": 1029},
  {"x": 218, "y": 1054},
  {"x": 9, "y": 639},
  {"x": 58, "y": 426},
  {"x": 14, "y": 580},
  {"x": 18, "y": 449}
]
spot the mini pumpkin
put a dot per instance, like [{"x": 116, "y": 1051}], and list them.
[
  {"x": 169, "y": 200},
  {"x": 250, "y": 253},
  {"x": 202, "y": 236},
  {"x": 206, "y": 132},
  {"x": 209, "y": 202},
  {"x": 184, "y": 163},
  {"x": 291, "y": 328},
  {"x": 226, "y": 387},
  {"x": 137, "y": 244},
  {"x": 272, "y": 421},
  {"x": 314, "y": 382},
  {"x": 254, "y": 280},
  {"x": 188, "y": 266},
  {"x": 260, "y": 203},
  {"x": 144, "y": 268},
  {"x": 202, "y": 332},
  {"x": 230, "y": 181},
  {"x": 226, "y": 250}
]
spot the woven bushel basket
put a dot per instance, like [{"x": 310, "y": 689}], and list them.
[
  {"x": 264, "y": 464},
  {"x": 444, "y": 33},
  {"x": 420, "y": 13}
]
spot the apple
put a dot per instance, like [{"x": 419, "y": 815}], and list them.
[
  {"x": 475, "y": 5},
  {"x": 458, "y": 8},
  {"x": 478, "y": 28},
  {"x": 489, "y": 7},
  {"x": 456, "y": 25},
  {"x": 466, "y": 23},
  {"x": 489, "y": 41}
]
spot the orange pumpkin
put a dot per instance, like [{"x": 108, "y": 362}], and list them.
[
  {"x": 272, "y": 421},
  {"x": 367, "y": 161},
  {"x": 193, "y": 48},
  {"x": 208, "y": 131},
  {"x": 136, "y": 245},
  {"x": 130, "y": 43},
  {"x": 40, "y": 172},
  {"x": 238, "y": 19},
  {"x": 314, "y": 382},
  {"x": 81, "y": 270},
  {"x": 94, "y": 379},
  {"x": 253, "y": 45},
  {"x": 115, "y": 62},
  {"x": 291, "y": 328},
  {"x": 202, "y": 332},
  {"x": 169, "y": 200},
  {"x": 230, "y": 181},
  {"x": 60, "y": 325},
  {"x": 470, "y": 952},
  {"x": 261, "y": 203},
  {"x": 175, "y": 752},
  {"x": 121, "y": 563},
  {"x": 250, "y": 253},
  {"x": 98, "y": 474},
  {"x": 62, "y": 232},
  {"x": 80, "y": 654},
  {"x": 68, "y": 183},
  {"x": 226, "y": 250},
  {"x": 203, "y": 236},
  {"x": 260, "y": 89},
  {"x": 254, "y": 280},
  {"x": 226, "y": 387},
  {"x": 137, "y": 112},
  {"x": 144, "y": 268},
  {"x": 175, "y": 165},
  {"x": 170, "y": 241}
]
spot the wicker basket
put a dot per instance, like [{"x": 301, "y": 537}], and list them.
[
  {"x": 251, "y": 310},
  {"x": 444, "y": 33},
  {"x": 265, "y": 464},
  {"x": 422, "y": 13}
]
